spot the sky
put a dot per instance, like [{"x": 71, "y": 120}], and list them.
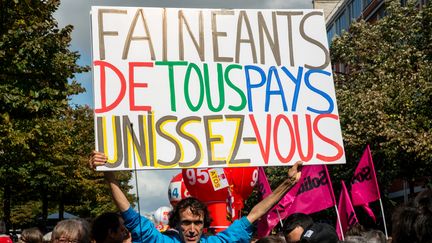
[{"x": 152, "y": 185}]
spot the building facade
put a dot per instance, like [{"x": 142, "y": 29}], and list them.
[
  {"x": 345, "y": 12},
  {"x": 339, "y": 14}
]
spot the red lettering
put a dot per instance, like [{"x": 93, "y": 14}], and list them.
[
  {"x": 133, "y": 85},
  {"x": 104, "y": 107},
  {"x": 295, "y": 135},
  {"x": 326, "y": 139},
  {"x": 276, "y": 128},
  {"x": 265, "y": 152},
  {"x": 309, "y": 138}
]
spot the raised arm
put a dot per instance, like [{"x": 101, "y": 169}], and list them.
[
  {"x": 98, "y": 159},
  {"x": 267, "y": 203}
]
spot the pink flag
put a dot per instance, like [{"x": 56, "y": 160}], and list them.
[
  {"x": 364, "y": 185},
  {"x": 313, "y": 193},
  {"x": 369, "y": 211},
  {"x": 272, "y": 217},
  {"x": 346, "y": 213},
  {"x": 263, "y": 185}
]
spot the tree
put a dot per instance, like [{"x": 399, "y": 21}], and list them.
[
  {"x": 34, "y": 71},
  {"x": 44, "y": 144},
  {"x": 57, "y": 177},
  {"x": 384, "y": 97}
]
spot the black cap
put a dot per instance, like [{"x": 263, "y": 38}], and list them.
[{"x": 319, "y": 233}]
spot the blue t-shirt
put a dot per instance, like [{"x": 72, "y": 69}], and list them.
[{"x": 143, "y": 230}]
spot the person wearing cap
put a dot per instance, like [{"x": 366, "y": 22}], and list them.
[
  {"x": 294, "y": 226},
  {"x": 319, "y": 233}
]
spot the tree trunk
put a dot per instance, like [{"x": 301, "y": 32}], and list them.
[
  {"x": 6, "y": 206},
  {"x": 44, "y": 208},
  {"x": 61, "y": 206},
  {"x": 412, "y": 187}
]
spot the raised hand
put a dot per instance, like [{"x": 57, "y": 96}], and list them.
[{"x": 97, "y": 159}]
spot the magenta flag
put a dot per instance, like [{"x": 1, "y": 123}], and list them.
[
  {"x": 369, "y": 211},
  {"x": 314, "y": 191},
  {"x": 272, "y": 217},
  {"x": 364, "y": 185},
  {"x": 263, "y": 185},
  {"x": 347, "y": 215}
]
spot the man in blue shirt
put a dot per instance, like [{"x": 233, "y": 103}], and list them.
[{"x": 190, "y": 216}]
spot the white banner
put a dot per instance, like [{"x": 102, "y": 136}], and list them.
[{"x": 187, "y": 88}]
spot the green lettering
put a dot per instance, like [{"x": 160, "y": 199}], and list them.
[
  {"x": 186, "y": 87},
  {"x": 242, "y": 105},
  {"x": 171, "y": 65},
  {"x": 220, "y": 88}
]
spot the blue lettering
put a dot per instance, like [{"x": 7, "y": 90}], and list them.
[
  {"x": 250, "y": 86},
  {"x": 320, "y": 92},
  {"x": 297, "y": 81},
  {"x": 273, "y": 71}
]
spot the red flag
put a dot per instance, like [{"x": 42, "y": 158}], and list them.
[
  {"x": 346, "y": 213},
  {"x": 364, "y": 185}
]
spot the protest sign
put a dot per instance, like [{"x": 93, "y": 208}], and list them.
[{"x": 198, "y": 88}]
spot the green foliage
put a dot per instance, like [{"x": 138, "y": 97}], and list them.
[
  {"x": 36, "y": 62},
  {"x": 57, "y": 169},
  {"x": 23, "y": 214},
  {"x": 385, "y": 96},
  {"x": 44, "y": 143}
]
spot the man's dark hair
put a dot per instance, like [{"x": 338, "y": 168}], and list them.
[
  {"x": 272, "y": 239},
  {"x": 102, "y": 224},
  {"x": 297, "y": 219},
  {"x": 403, "y": 221},
  {"x": 423, "y": 201},
  {"x": 197, "y": 208}
]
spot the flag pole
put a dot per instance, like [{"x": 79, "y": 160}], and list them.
[
  {"x": 377, "y": 188},
  {"x": 385, "y": 225},
  {"x": 136, "y": 182},
  {"x": 339, "y": 222},
  {"x": 280, "y": 219},
  {"x": 334, "y": 201}
]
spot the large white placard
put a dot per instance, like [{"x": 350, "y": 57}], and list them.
[{"x": 187, "y": 88}]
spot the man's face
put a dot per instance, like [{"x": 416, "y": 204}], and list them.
[
  {"x": 294, "y": 235},
  {"x": 191, "y": 226}
]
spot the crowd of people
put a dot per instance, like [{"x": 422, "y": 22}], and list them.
[{"x": 190, "y": 217}]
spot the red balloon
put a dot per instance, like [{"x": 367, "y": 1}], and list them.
[
  {"x": 199, "y": 184},
  {"x": 219, "y": 217},
  {"x": 177, "y": 189},
  {"x": 243, "y": 181}
]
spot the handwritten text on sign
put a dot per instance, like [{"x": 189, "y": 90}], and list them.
[{"x": 178, "y": 88}]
